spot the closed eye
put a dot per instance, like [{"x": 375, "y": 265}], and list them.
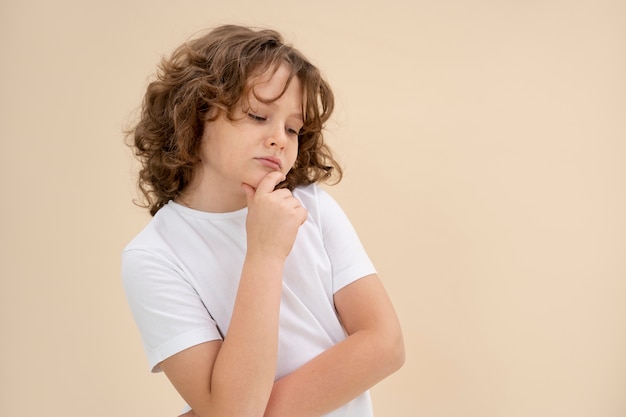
[
  {"x": 256, "y": 118},
  {"x": 292, "y": 132}
]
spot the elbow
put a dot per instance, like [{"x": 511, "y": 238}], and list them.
[
  {"x": 393, "y": 351},
  {"x": 397, "y": 354}
]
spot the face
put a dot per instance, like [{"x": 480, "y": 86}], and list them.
[{"x": 263, "y": 137}]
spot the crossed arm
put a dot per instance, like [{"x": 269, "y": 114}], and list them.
[{"x": 373, "y": 350}]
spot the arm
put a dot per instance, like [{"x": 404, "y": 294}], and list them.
[
  {"x": 235, "y": 377},
  {"x": 373, "y": 350}
]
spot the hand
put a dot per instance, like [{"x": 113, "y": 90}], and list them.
[{"x": 274, "y": 217}]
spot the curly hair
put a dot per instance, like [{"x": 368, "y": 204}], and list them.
[{"x": 214, "y": 72}]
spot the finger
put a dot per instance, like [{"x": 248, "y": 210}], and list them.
[
  {"x": 283, "y": 193},
  {"x": 270, "y": 181},
  {"x": 303, "y": 213},
  {"x": 294, "y": 202}
]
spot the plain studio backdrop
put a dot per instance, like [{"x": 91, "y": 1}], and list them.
[{"x": 484, "y": 144}]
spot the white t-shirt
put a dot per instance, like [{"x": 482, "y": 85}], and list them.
[{"x": 181, "y": 275}]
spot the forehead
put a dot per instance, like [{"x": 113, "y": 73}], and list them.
[{"x": 274, "y": 83}]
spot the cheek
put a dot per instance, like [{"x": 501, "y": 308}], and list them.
[{"x": 293, "y": 155}]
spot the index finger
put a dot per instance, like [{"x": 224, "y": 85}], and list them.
[{"x": 270, "y": 181}]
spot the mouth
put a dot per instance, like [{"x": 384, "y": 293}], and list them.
[{"x": 270, "y": 162}]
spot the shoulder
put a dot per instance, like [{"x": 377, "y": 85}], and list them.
[
  {"x": 318, "y": 201},
  {"x": 313, "y": 196},
  {"x": 151, "y": 235},
  {"x": 306, "y": 192},
  {"x": 156, "y": 243},
  {"x": 151, "y": 258},
  {"x": 324, "y": 210}
]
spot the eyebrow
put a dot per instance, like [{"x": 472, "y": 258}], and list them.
[{"x": 299, "y": 115}]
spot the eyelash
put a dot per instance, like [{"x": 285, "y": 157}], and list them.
[
  {"x": 262, "y": 119},
  {"x": 256, "y": 118}
]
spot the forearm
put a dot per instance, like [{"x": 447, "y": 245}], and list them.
[
  {"x": 234, "y": 378},
  {"x": 244, "y": 370},
  {"x": 336, "y": 376}
]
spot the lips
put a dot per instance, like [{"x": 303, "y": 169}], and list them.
[{"x": 270, "y": 162}]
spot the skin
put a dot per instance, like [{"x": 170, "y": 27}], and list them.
[
  {"x": 234, "y": 152},
  {"x": 215, "y": 377}
]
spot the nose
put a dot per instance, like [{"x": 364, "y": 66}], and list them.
[{"x": 277, "y": 137}]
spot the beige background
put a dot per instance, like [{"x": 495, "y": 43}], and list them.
[{"x": 484, "y": 144}]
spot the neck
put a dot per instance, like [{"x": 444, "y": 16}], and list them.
[{"x": 212, "y": 197}]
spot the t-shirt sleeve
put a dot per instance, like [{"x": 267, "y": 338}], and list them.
[
  {"x": 168, "y": 311},
  {"x": 348, "y": 257}
]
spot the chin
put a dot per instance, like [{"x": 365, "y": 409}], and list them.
[{"x": 255, "y": 180}]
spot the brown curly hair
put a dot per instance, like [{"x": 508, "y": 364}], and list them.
[{"x": 213, "y": 72}]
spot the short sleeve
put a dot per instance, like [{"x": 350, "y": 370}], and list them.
[
  {"x": 167, "y": 309},
  {"x": 348, "y": 257}
]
